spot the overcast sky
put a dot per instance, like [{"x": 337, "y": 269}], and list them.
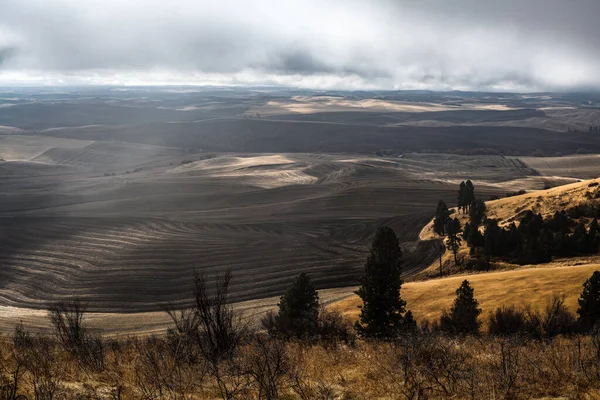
[{"x": 521, "y": 45}]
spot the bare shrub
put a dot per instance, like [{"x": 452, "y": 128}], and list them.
[
  {"x": 184, "y": 339},
  {"x": 220, "y": 334},
  {"x": 269, "y": 364},
  {"x": 510, "y": 366},
  {"x": 557, "y": 318},
  {"x": 333, "y": 328},
  {"x": 403, "y": 369},
  {"x": 67, "y": 319},
  {"x": 159, "y": 374},
  {"x": 445, "y": 365},
  {"x": 269, "y": 322},
  {"x": 221, "y": 331},
  {"x": 46, "y": 367},
  {"x": 507, "y": 320},
  {"x": 12, "y": 366}
]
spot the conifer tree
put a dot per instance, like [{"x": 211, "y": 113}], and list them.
[
  {"x": 382, "y": 311},
  {"x": 589, "y": 302},
  {"x": 298, "y": 309},
  {"x": 477, "y": 213},
  {"x": 442, "y": 216},
  {"x": 464, "y": 314},
  {"x": 461, "y": 196},
  {"x": 453, "y": 241},
  {"x": 469, "y": 195}
]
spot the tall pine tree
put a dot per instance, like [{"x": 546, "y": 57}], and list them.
[
  {"x": 589, "y": 302},
  {"x": 453, "y": 241},
  {"x": 464, "y": 314},
  {"x": 298, "y": 309},
  {"x": 469, "y": 195},
  {"x": 461, "y": 196},
  {"x": 382, "y": 311},
  {"x": 442, "y": 216}
]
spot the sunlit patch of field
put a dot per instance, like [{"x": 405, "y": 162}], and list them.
[
  {"x": 26, "y": 147},
  {"x": 147, "y": 323},
  {"x": 266, "y": 171},
  {"x": 528, "y": 286},
  {"x": 584, "y": 165},
  {"x": 316, "y": 104}
]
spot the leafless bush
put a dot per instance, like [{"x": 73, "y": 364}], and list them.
[
  {"x": 333, "y": 328},
  {"x": 404, "y": 370},
  {"x": 510, "y": 366},
  {"x": 160, "y": 374},
  {"x": 445, "y": 365},
  {"x": 46, "y": 367},
  {"x": 220, "y": 334},
  {"x": 67, "y": 319},
  {"x": 506, "y": 321},
  {"x": 12, "y": 369},
  {"x": 557, "y": 318},
  {"x": 184, "y": 338},
  {"x": 269, "y": 323},
  {"x": 268, "y": 364},
  {"x": 221, "y": 331}
]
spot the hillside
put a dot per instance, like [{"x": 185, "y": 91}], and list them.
[
  {"x": 529, "y": 284},
  {"x": 545, "y": 202},
  {"x": 533, "y": 286},
  {"x": 512, "y": 209}
]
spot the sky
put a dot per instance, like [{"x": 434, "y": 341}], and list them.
[{"x": 489, "y": 45}]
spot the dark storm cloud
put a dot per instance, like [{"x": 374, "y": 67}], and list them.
[{"x": 435, "y": 44}]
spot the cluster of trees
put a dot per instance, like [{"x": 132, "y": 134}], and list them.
[
  {"x": 466, "y": 195},
  {"x": 594, "y": 128},
  {"x": 534, "y": 240},
  {"x": 384, "y": 314}
]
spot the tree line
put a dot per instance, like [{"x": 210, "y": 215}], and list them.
[
  {"x": 384, "y": 314},
  {"x": 534, "y": 240}
]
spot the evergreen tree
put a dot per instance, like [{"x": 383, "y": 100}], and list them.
[
  {"x": 589, "y": 302},
  {"x": 298, "y": 309},
  {"x": 453, "y": 241},
  {"x": 477, "y": 213},
  {"x": 469, "y": 195},
  {"x": 442, "y": 216},
  {"x": 464, "y": 314},
  {"x": 461, "y": 196},
  {"x": 382, "y": 311},
  {"x": 492, "y": 241},
  {"x": 593, "y": 237}
]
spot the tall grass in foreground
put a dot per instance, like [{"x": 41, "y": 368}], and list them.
[{"x": 414, "y": 366}]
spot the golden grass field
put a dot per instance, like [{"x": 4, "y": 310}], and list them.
[
  {"x": 529, "y": 286},
  {"x": 520, "y": 286}
]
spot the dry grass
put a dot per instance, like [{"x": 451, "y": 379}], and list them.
[
  {"x": 533, "y": 286},
  {"x": 426, "y": 367}
]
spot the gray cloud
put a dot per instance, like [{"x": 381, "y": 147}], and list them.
[
  {"x": 6, "y": 53},
  {"x": 430, "y": 44}
]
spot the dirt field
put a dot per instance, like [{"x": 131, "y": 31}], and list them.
[
  {"x": 130, "y": 242},
  {"x": 581, "y": 166},
  {"x": 117, "y": 196}
]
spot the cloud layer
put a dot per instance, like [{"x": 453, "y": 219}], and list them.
[{"x": 352, "y": 44}]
